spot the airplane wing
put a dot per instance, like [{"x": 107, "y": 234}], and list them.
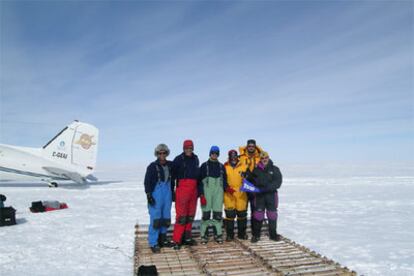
[{"x": 68, "y": 174}]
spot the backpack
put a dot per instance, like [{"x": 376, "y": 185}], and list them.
[
  {"x": 37, "y": 207},
  {"x": 147, "y": 270},
  {"x": 7, "y": 216}
]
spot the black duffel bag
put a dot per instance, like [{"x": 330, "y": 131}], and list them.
[
  {"x": 147, "y": 270},
  {"x": 7, "y": 216},
  {"x": 37, "y": 207}
]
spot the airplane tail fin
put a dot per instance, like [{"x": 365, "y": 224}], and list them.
[{"x": 76, "y": 144}]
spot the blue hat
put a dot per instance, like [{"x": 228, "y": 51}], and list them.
[{"x": 215, "y": 149}]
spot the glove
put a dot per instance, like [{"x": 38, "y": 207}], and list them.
[
  {"x": 230, "y": 190},
  {"x": 150, "y": 199},
  {"x": 3, "y": 197},
  {"x": 203, "y": 200}
]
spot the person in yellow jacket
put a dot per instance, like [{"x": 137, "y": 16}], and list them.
[
  {"x": 235, "y": 201},
  {"x": 250, "y": 154},
  {"x": 250, "y": 157}
]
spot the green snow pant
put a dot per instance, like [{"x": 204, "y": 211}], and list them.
[{"x": 213, "y": 210}]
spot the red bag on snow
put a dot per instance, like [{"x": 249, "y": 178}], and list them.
[{"x": 47, "y": 206}]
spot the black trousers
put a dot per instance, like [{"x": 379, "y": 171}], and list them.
[{"x": 265, "y": 202}]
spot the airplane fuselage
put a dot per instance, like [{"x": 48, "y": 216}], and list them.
[
  {"x": 69, "y": 155},
  {"x": 21, "y": 163}
]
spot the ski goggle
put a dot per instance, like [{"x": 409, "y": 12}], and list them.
[{"x": 162, "y": 153}]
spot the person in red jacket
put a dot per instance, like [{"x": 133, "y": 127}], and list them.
[{"x": 185, "y": 173}]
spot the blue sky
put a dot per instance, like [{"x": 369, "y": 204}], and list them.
[{"x": 311, "y": 81}]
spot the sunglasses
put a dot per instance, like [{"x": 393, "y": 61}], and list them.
[
  {"x": 189, "y": 148},
  {"x": 162, "y": 153},
  {"x": 251, "y": 146},
  {"x": 214, "y": 152},
  {"x": 264, "y": 158}
]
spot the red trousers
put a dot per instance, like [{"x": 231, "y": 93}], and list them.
[{"x": 185, "y": 208}]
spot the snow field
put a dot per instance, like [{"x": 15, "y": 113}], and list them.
[{"x": 364, "y": 223}]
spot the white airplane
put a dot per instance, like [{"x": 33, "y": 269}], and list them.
[{"x": 70, "y": 155}]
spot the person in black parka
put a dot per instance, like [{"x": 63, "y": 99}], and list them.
[{"x": 268, "y": 179}]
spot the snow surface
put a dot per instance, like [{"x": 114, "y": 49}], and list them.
[{"x": 364, "y": 222}]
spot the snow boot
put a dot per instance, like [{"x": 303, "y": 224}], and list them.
[
  {"x": 229, "y": 230},
  {"x": 257, "y": 228},
  {"x": 253, "y": 225},
  {"x": 204, "y": 239},
  {"x": 155, "y": 249},
  {"x": 241, "y": 229},
  {"x": 163, "y": 241},
  {"x": 188, "y": 240},
  {"x": 218, "y": 239},
  {"x": 176, "y": 246},
  {"x": 254, "y": 239},
  {"x": 277, "y": 237},
  {"x": 272, "y": 224}
]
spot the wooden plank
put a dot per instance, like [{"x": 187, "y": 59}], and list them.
[
  {"x": 290, "y": 263},
  {"x": 309, "y": 268},
  {"x": 290, "y": 257}
]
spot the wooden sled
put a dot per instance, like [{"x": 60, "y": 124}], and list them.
[{"x": 238, "y": 257}]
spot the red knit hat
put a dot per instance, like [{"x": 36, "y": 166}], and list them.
[
  {"x": 188, "y": 144},
  {"x": 232, "y": 154}
]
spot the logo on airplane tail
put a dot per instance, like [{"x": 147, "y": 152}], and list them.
[
  {"x": 62, "y": 146},
  {"x": 85, "y": 141}
]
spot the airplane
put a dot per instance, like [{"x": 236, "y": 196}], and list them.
[{"x": 70, "y": 155}]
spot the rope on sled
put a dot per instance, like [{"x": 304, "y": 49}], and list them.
[{"x": 116, "y": 248}]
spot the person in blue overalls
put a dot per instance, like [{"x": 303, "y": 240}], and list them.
[{"x": 159, "y": 196}]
